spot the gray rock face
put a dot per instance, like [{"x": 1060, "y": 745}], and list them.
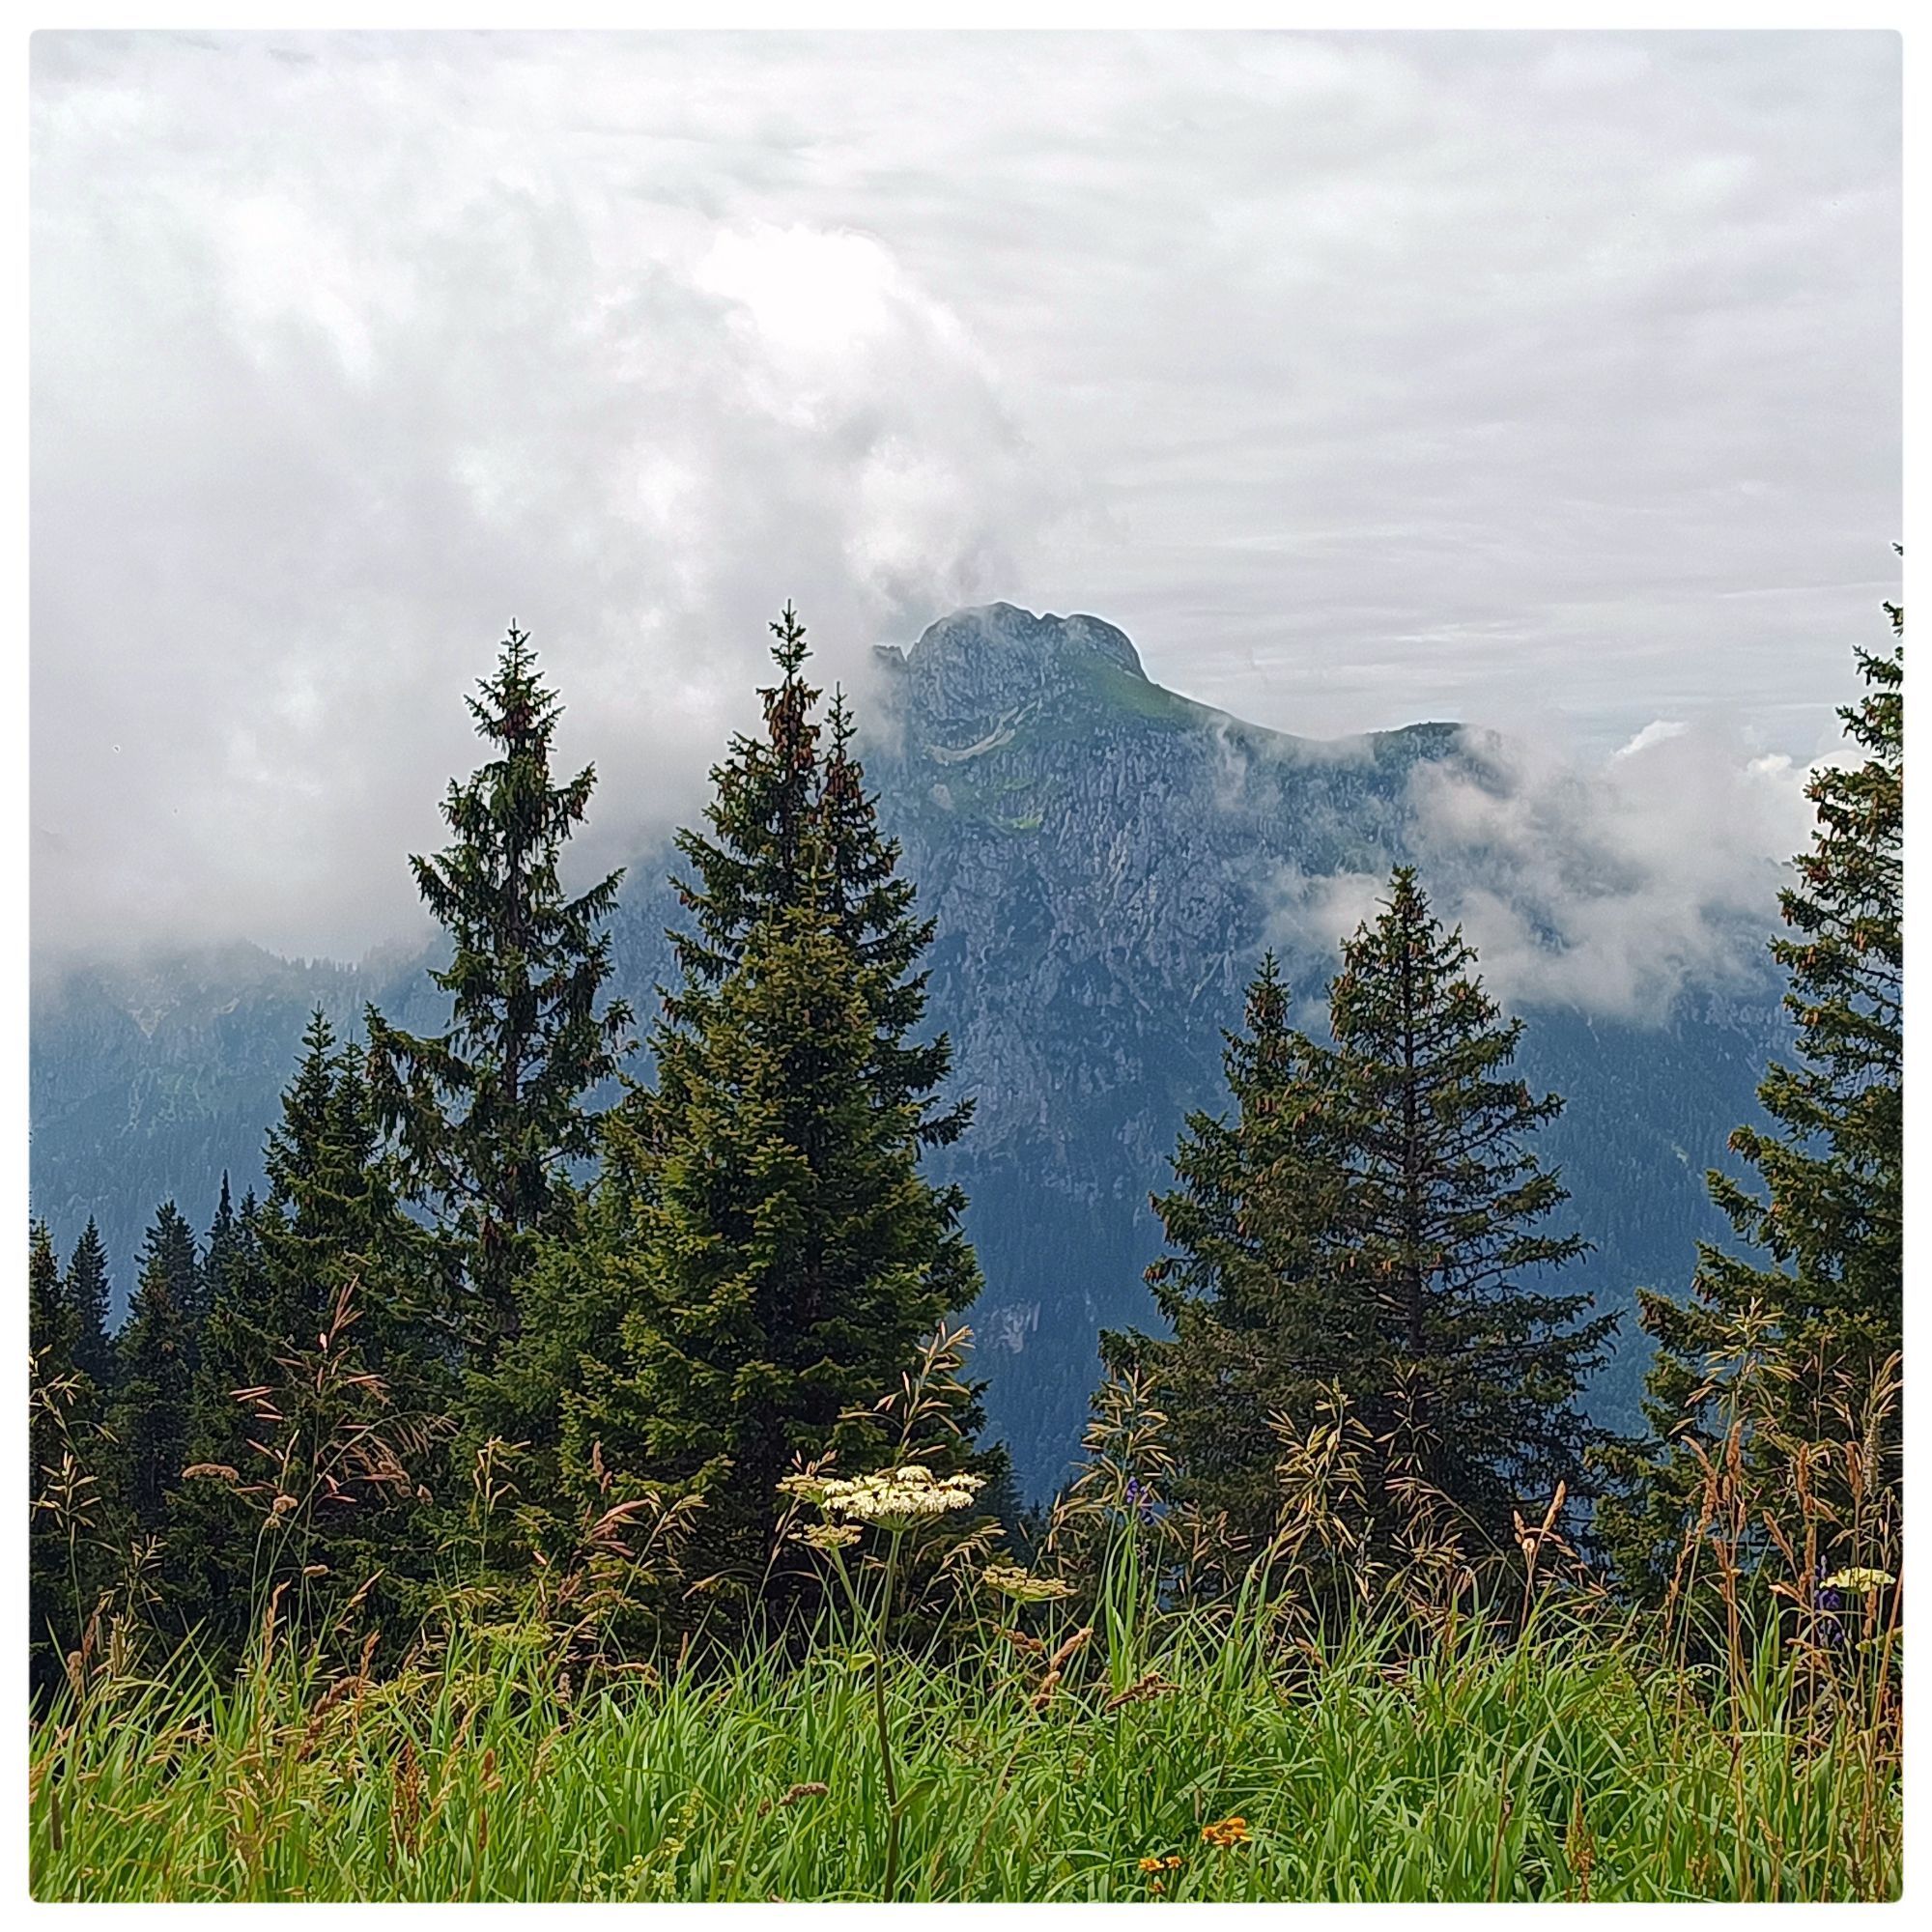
[{"x": 1104, "y": 860}]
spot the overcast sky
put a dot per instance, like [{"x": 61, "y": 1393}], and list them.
[{"x": 1545, "y": 381}]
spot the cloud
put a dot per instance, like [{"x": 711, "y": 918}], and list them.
[
  {"x": 1610, "y": 885},
  {"x": 306, "y": 443},
  {"x": 1361, "y": 379}
]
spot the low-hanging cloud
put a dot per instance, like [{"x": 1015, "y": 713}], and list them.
[
  {"x": 1361, "y": 377},
  {"x": 308, "y": 441},
  {"x": 1612, "y": 885}
]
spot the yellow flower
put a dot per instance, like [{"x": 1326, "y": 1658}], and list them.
[
  {"x": 1224, "y": 1833},
  {"x": 1152, "y": 1864},
  {"x": 1859, "y": 1581}
]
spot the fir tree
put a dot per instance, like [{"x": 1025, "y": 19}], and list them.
[
  {"x": 63, "y": 1497},
  {"x": 156, "y": 1351},
  {"x": 1249, "y": 1285},
  {"x": 50, "y": 1341},
  {"x": 489, "y": 1113},
  {"x": 762, "y": 1242},
  {"x": 1349, "y": 1252},
  {"x": 1447, "y": 1198},
  {"x": 85, "y": 1290},
  {"x": 348, "y": 1430},
  {"x": 1819, "y": 1286},
  {"x": 52, "y": 1329}
]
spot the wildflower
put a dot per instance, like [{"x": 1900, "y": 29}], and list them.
[
  {"x": 829, "y": 1535},
  {"x": 1859, "y": 1581},
  {"x": 1224, "y": 1833},
  {"x": 1152, "y": 1864},
  {"x": 1010, "y": 1580},
  {"x": 896, "y": 1499}
]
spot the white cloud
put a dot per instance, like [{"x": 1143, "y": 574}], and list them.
[
  {"x": 1611, "y": 886},
  {"x": 1361, "y": 379}
]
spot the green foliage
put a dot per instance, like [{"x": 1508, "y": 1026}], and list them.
[
  {"x": 1251, "y": 1284},
  {"x": 488, "y": 1114},
  {"x": 323, "y": 1380},
  {"x": 85, "y": 1290},
  {"x": 763, "y": 1256},
  {"x": 1816, "y": 1292},
  {"x": 1358, "y": 1261},
  {"x": 1575, "y": 1763},
  {"x": 157, "y": 1351}
]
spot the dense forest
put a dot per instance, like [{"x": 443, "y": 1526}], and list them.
[{"x": 495, "y": 1384}]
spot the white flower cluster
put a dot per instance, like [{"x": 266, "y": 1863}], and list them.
[{"x": 889, "y": 1498}]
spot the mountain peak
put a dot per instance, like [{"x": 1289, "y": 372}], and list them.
[
  {"x": 977, "y": 669},
  {"x": 1017, "y": 636}
]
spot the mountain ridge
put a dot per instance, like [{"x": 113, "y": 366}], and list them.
[{"x": 1105, "y": 862}]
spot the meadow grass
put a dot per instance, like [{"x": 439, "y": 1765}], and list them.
[{"x": 1570, "y": 1762}]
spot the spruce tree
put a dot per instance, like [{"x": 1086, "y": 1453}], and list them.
[
  {"x": 1249, "y": 1286},
  {"x": 762, "y": 1241},
  {"x": 1446, "y": 1204},
  {"x": 64, "y": 1500},
  {"x": 49, "y": 1341},
  {"x": 1360, "y": 1246},
  {"x": 50, "y": 1326},
  {"x": 1819, "y": 1279},
  {"x": 489, "y": 1113},
  {"x": 155, "y": 1367},
  {"x": 207, "y": 1572},
  {"x": 348, "y": 1430},
  {"x": 85, "y": 1290}
]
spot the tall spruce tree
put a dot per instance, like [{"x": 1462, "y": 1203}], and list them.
[
  {"x": 762, "y": 1242},
  {"x": 155, "y": 1353},
  {"x": 1367, "y": 1227},
  {"x": 85, "y": 1290},
  {"x": 1447, "y": 1199},
  {"x": 1820, "y": 1278},
  {"x": 489, "y": 1113}
]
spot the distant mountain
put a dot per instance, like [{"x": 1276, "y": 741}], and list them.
[{"x": 1104, "y": 860}]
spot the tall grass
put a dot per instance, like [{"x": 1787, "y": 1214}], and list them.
[
  {"x": 1336, "y": 1724},
  {"x": 1564, "y": 1763}
]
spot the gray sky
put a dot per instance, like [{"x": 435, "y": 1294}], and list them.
[{"x": 1547, "y": 382}]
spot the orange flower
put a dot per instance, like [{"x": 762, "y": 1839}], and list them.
[{"x": 1225, "y": 1832}]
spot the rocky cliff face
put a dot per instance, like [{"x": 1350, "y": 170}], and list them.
[{"x": 1104, "y": 858}]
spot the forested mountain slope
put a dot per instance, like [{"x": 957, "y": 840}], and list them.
[{"x": 1105, "y": 860}]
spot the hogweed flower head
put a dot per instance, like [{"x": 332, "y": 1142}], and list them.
[
  {"x": 1022, "y": 1585},
  {"x": 894, "y": 1499}
]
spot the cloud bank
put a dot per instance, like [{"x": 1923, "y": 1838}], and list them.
[
  {"x": 1359, "y": 377},
  {"x": 1609, "y": 886}
]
